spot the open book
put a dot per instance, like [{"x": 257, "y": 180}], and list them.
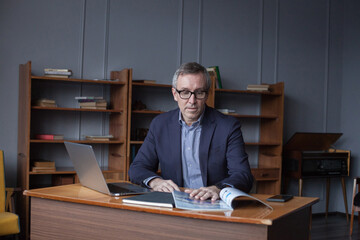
[{"x": 226, "y": 203}]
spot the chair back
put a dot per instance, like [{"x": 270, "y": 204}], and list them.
[{"x": 2, "y": 182}]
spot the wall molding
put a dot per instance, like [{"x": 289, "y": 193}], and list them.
[
  {"x": 261, "y": 42},
  {"x": 180, "y": 31},
  {"x": 327, "y": 62},
  {"x": 276, "y": 50},
  {"x": 200, "y": 33}
]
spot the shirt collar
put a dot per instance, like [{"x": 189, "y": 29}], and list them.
[{"x": 195, "y": 124}]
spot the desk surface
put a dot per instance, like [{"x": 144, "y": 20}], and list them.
[{"x": 254, "y": 212}]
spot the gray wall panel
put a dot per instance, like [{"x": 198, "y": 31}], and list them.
[
  {"x": 301, "y": 63},
  {"x": 95, "y": 39},
  {"x": 143, "y": 35},
  {"x": 231, "y": 40},
  {"x": 191, "y": 33}
]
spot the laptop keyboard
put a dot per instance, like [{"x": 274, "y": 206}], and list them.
[{"x": 113, "y": 188}]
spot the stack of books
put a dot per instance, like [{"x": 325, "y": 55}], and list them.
[
  {"x": 99, "y": 137},
  {"x": 43, "y": 166},
  {"x": 258, "y": 87},
  {"x": 92, "y": 102},
  {"x": 45, "y": 103},
  {"x": 59, "y": 73}
]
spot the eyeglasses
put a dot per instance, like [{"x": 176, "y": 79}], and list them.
[{"x": 186, "y": 94}]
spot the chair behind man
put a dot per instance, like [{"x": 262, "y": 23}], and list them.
[
  {"x": 9, "y": 222},
  {"x": 355, "y": 206}
]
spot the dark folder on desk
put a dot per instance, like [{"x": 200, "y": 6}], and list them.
[{"x": 155, "y": 199}]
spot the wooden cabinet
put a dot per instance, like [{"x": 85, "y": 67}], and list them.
[
  {"x": 73, "y": 123},
  {"x": 261, "y": 115}
]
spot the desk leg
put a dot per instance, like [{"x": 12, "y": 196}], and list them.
[
  {"x": 345, "y": 198},
  {"x": 300, "y": 186},
  {"x": 327, "y": 196}
]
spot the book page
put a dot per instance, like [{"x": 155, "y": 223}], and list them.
[{"x": 229, "y": 194}]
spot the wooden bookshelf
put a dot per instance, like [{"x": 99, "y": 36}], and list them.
[
  {"x": 31, "y": 119},
  {"x": 268, "y": 170}
]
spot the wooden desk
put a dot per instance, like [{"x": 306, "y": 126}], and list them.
[{"x": 76, "y": 212}]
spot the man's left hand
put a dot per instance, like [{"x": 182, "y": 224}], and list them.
[{"x": 204, "y": 193}]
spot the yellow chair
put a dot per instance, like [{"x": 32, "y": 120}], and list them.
[{"x": 9, "y": 222}]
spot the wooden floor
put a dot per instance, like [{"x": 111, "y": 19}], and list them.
[{"x": 334, "y": 228}]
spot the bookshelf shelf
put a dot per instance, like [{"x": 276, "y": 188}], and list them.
[
  {"x": 79, "y": 80},
  {"x": 147, "y": 111},
  {"x": 76, "y": 109},
  {"x": 79, "y": 141},
  {"x": 70, "y": 170}
]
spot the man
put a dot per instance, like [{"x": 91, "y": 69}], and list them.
[{"x": 196, "y": 146}]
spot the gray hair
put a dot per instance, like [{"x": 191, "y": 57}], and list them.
[{"x": 191, "y": 68}]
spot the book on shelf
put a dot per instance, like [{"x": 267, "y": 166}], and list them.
[
  {"x": 154, "y": 199},
  {"x": 218, "y": 82},
  {"x": 49, "y": 136},
  {"x": 44, "y": 102},
  {"x": 226, "y": 202},
  {"x": 41, "y": 163},
  {"x": 144, "y": 81},
  {"x": 258, "y": 87},
  {"x": 99, "y": 137},
  {"x": 57, "y": 76},
  {"x": 83, "y": 98},
  {"x": 57, "y": 71},
  {"x": 225, "y": 110},
  {"x": 94, "y": 108},
  {"x": 96, "y": 103},
  {"x": 43, "y": 169}
]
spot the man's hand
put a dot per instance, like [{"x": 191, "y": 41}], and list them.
[
  {"x": 204, "y": 193},
  {"x": 161, "y": 185}
]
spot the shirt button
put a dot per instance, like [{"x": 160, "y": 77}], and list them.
[{"x": 188, "y": 148}]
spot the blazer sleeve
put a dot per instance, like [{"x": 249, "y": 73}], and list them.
[
  {"x": 145, "y": 164},
  {"x": 237, "y": 161}
]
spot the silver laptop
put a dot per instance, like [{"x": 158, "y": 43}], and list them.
[{"x": 90, "y": 175}]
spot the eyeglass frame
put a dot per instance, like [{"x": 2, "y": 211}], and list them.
[{"x": 191, "y": 93}]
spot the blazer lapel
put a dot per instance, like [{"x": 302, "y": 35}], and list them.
[
  {"x": 208, "y": 127},
  {"x": 175, "y": 143}
]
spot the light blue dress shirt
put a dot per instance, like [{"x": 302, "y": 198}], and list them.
[{"x": 190, "y": 142}]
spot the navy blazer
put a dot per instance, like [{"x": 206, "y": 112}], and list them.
[{"x": 222, "y": 155}]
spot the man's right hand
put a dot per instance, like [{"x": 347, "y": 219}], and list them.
[{"x": 161, "y": 185}]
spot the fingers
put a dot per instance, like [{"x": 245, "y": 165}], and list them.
[
  {"x": 162, "y": 185},
  {"x": 204, "y": 193}
]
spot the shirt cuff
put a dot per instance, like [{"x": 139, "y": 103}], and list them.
[{"x": 146, "y": 181}]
